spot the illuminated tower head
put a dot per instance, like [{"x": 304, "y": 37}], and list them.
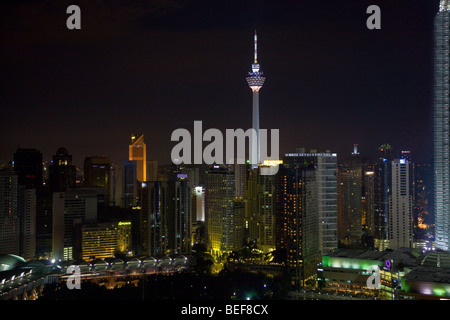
[
  {"x": 255, "y": 79},
  {"x": 137, "y": 150},
  {"x": 444, "y": 5}
]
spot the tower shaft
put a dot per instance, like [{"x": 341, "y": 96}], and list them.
[{"x": 255, "y": 125}]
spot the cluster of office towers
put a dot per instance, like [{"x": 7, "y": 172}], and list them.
[{"x": 312, "y": 206}]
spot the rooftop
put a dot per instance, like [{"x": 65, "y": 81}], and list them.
[{"x": 429, "y": 274}]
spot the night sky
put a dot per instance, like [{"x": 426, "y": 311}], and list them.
[{"x": 154, "y": 66}]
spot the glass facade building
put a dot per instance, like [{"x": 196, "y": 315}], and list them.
[
  {"x": 325, "y": 165},
  {"x": 441, "y": 125}
]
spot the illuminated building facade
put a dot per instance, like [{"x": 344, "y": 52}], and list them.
[
  {"x": 69, "y": 209},
  {"x": 199, "y": 203},
  {"x": 400, "y": 205},
  {"x": 261, "y": 209},
  {"x": 298, "y": 220},
  {"x": 104, "y": 240},
  {"x": 441, "y": 125},
  {"x": 349, "y": 180},
  {"x": 255, "y": 80},
  {"x": 347, "y": 271},
  {"x": 368, "y": 204},
  {"x": 325, "y": 164},
  {"x": 430, "y": 281},
  {"x": 223, "y": 227},
  {"x": 137, "y": 151}
]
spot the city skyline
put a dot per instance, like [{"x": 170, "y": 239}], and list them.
[
  {"x": 158, "y": 67},
  {"x": 356, "y": 93}
]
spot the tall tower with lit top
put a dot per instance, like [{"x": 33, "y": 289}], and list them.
[
  {"x": 137, "y": 150},
  {"x": 255, "y": 81},
  {"x": 441, "y": 125}
]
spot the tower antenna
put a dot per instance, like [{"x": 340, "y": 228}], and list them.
[{"x": 256, "y": 47}]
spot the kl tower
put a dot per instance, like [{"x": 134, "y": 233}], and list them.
[{"x": 255, "y": 80}]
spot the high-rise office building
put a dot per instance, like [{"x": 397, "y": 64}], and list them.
[
  {"x": 9, "y": 219},
  {"x": 261, "y": 208},
  {"x": 62, "y": 173},
  {"x": 298, "y": 220},
  {"x": 382, "y": 191},
  {"x": 349, "y": 189},
  {"x": 255, "y": 80},
  {"x": 240, "y": 178},
  {"x": 368, "y": 203},
  {"x": 44, "y": 221},
  {"x": 199, "y": 203},
  {"x": 27, "y": 217},
  {"x": 137, "y": 151},
  {"x": 71, "y": 208},
  {"x": 325, "y": 164},
  {"x": 423, "y": 204},
  {"x": 29, "y": 168},
  {"x": 152, "y": 170},
  {"x": 130, "y": 185},
  {"x": 400, "y": 205},
  {"x": 441, "y": 125},
  {"x": 223, "y": 223},
  {"x": 179, "y": 215},
  {"x": 97, "y": 173},
  {"x": 153, "y": 224}
]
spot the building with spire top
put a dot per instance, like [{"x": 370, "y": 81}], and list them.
[{"x": 137, "y": 150}]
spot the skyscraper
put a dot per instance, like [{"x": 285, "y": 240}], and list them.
[
  {"x": 9, "y": 220},
  {"x": 27, "y": 216},
  {"x": 441, "y": 125},
  {"x": 29, "y": 168},
  {"x": 382, "y": 189},
  {"x": 298, "y": 220},
  {"x": 137, "y": 151},
  {"x": 350, "y": 201},
  {"x": 97, "y": 173},
  {"x": 400, "y": 205},
  {"x": 223, "y": 226},
  {"x": 62, "y": 173},
  {"x": 325, "y": 164},
  {"x": 179, "y": 215},
  {"x": 261, "y": 208},
  {"x": 255, "y": 81},
  {"x": 129, "y": 184},
  {"x": 368, "y": 204},
  {"x": 71, "y": 208},
  {"x": 153, "y": 222}
]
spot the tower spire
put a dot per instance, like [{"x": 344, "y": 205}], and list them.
[{"x": 256, "y": 48}]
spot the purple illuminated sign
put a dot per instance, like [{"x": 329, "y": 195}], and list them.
[{"x": 387, "y": 263}]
